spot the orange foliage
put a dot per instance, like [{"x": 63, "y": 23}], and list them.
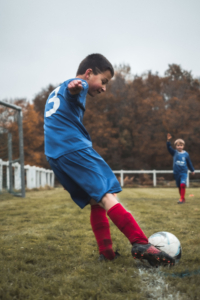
[{"x": 128, "y": 124}]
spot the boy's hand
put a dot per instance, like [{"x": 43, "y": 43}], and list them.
[
  {"x": 169, "y": 136},
  {"x": 75, "y": 87},
  {"x": 193, "y": 173}
]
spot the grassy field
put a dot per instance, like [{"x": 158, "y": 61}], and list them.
[{"x": 48, "y": 250}]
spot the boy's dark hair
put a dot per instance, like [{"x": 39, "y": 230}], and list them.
[{"x": 97, "y": 62}]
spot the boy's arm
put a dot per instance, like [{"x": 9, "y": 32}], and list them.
[
  {"x": 169, "y": 147},
  {"x": 75, "y": 87},
  {"x": 189, "y": 163}
]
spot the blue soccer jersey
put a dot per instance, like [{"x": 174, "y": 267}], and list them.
[
  {"x": 181, "y": 160},
  {"x": 63, "y": 128}
]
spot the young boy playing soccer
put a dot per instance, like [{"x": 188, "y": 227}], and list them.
[
  {"x": 181, "y": 163},
  {"x": 81, "y": 170}
]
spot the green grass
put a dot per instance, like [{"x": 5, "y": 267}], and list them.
[{"x": 48, "y": 250}]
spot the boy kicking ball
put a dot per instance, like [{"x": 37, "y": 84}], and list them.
[
  {"x": 81, "y": 170},
  {"x": 181, "y": 163}
]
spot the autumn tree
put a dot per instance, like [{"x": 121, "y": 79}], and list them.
[
  {"x": 140, "y": 111},
  {"x": 128, "y": 124}
]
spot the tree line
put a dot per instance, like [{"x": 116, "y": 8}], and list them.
[{"x": 128, "y": 124}]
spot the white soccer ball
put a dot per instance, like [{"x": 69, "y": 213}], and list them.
[{"x": 168, "y": 243}]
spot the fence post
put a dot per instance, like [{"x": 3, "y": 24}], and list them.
[
  {"x": 43, "y": 177},
  {"x": 48, "y": 178},
  {"x": 10, "y": 161},
  {"x": 21, "y": 150},
  {"x": 1, "y": 175},
  {"x": 17, "y": 176},
  {"x": 122, "y": 178},
  {"x": 188, "y": 179},
  {"x": 27, "y": 170},
  {"x": 154, "y": 177},
  {"x": 52, "y": 179},
  {"x": 31, "y": 177},
  {"x": 38, "y": 177},
  {"x": 7, "y": 177}
]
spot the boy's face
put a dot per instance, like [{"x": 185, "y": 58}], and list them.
[
  {"x": 179, "y": 147},
  {"x": 97, "y": 83}
]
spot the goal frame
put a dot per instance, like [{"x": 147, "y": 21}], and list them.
[{"x": 21, "y": 145}]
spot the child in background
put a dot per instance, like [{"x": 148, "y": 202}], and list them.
[
  {"x": 181, "y": 163},
  {"x": 81, "y": 170}
]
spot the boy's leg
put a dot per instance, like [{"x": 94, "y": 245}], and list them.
[
  {"x": 101, "y": 228},
  {"x": 123, "y": 220},
  {"x": 182, "y": 188},
  {"x": 91, "y": 173},
  {"x": 127, "y": 224},
  {"x": 183, "y": 181},
  {"x": 98, "y": 219},
  {"x": 86, "y": 176},
  {"x": 178, "y": 183}
]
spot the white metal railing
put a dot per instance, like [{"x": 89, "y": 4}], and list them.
[
  {"x": 154, "y": 172},
  {"x": 39, "y": 177},
  {"x": 35, "y": 177}
]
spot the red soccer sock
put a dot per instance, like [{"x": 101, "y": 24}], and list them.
[
  {"x": 127, "y": 224},
  {"x": 182, "y": 189},
  {"x": 101, "y": 229}
]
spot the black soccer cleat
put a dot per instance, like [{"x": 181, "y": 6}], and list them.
[
  {"x": 153, "y": 255},
  {"x": 103, "y": 258},
  {"x": 181, "y": 201}
]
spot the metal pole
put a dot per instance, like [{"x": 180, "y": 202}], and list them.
[
  {"x": 10, "y": 161},
  {"x": 1, "y": 176},
  {"x": 10, "y": 105},
  {"x": 21, "y": 151}
]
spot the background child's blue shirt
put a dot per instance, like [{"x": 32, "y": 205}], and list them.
[
  {"x": 181, "y": 160},
  {"x": 63, "y": 116}
]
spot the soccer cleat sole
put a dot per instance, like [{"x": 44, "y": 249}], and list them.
[{"x": 162, "y": 259}]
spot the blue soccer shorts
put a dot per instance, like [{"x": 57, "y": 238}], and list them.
[
  {"x": 180, "y": 178},
  {"x": 85, "y": 175}
]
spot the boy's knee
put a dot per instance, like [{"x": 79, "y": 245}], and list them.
[
  {"x": 93, "y": 202},
  {"x": 182, "y": 185},
  {"x": 108, "y": 201}
]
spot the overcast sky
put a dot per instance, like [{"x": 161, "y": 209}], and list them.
[{"x": 43, "y": 41}]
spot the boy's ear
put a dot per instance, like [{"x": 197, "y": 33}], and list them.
[{"x": 88, "y": 73}]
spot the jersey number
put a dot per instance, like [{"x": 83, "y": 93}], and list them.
[{"x": 56, "y": 102}]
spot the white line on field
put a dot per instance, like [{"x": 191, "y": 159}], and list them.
[
  {"x": 153, "y": 282},
  {"x": 154, "y": 286}
]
